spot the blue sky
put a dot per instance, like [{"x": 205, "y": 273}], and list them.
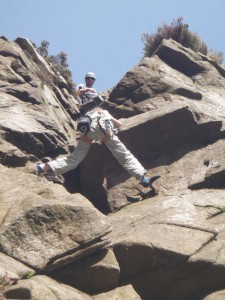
[{"x": 105, "y": 36}]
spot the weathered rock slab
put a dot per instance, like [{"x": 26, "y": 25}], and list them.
[
  {"x": 43, "y": 287},
  {"x": 43, "y": 226},
  {"x": 95, "y": 274},
  {"x": 172, "y": 241}
]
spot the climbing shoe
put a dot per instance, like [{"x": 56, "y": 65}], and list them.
[
  {"x": 148, "y": 182},
  {"x": 38, "y": 169},
  {"x": 145, "y": 181},
  {"x": 151, "y": 181}
]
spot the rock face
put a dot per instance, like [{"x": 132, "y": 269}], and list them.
[
  {"x": 46, "y": 227},
  {"x": 35, "y": 116},
  {"x": 101, "y": 235}
]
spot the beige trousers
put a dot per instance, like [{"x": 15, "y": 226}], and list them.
[{"x": 125, "y": 158}]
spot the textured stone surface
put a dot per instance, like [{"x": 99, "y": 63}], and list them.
[
  {"x": 170, "y": 246},
  {"x": 44, "y": 226}
]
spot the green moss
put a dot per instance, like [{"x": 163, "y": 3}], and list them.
[{"x": 30, "y": 274}]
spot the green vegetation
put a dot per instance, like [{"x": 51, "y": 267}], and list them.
[
  {"x": 179, "y": 32},
  {"x": 58, "y": 62},
  {"x": 222, "y": 209},
  {"x": 5, "y": 281},
  {"x": 30, "y": 274}
]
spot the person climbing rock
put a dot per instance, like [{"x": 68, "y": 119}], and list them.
[{"x": 103, "y": 128}]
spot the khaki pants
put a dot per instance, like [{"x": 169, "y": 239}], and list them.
[{"x": 116, "y": 147}]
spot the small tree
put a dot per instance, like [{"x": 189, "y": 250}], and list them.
[
  {"x": 217, "y": 56},
  {"x": 43, "y": 49},
  {"x": 179, "y": 32},
  {"x": 59, "y": 63}
]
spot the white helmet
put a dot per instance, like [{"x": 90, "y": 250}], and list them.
[{"x": 90, "y": 74}]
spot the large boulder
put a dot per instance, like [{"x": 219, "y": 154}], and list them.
[
  {"x": 45, "y": 227},
  {"x": 167, "y": 247},
  {"x": 173, "y": 74},
  {"x": 94, "y": 274}
]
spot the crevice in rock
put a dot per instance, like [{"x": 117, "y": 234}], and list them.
[
  {"x": 11, "y": 54},
  {"x": 23, "y": 96},
  {"x": 35, "y": 143},
  {"x": 220, "y": 210},
  {"x": 83, "y": 250},
  {"x": 214, "y": 232}
]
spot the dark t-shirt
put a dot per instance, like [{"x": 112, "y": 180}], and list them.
[{"x": 87, "y": 96}]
